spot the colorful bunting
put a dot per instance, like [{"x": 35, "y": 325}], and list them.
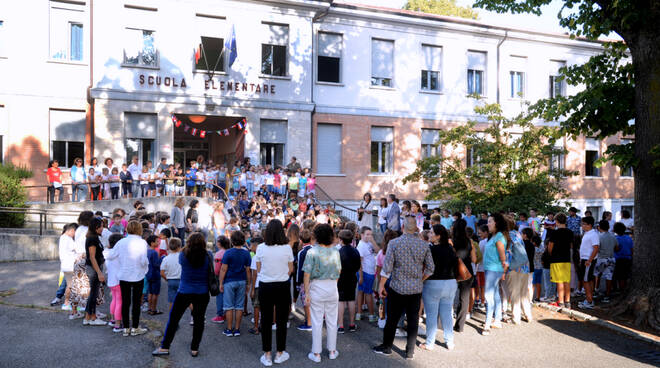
[
  {"x": 241, "y": 125},
  {"x": 202, "y": 134}
]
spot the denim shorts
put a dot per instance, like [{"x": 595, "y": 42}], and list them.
[
  {"x": 537, "y": 279},
  {"x": 367, "y": 285},
  {"x": 234, "y": 295},
  {"x": 154, "y": 287},
  {"x": 172, "y": 289}
]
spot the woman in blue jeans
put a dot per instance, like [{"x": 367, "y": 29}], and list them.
[
  {"x": 495, "y": 266},
  {"x": 440, "y": 289}
]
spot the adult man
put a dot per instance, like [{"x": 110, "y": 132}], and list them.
[
  {"x": 470, "y": 219},
  {"x": 559, "y": 247},
  {"x": 293, "y": 166},
  {"x": 605, "y": 262},
  {"x": 393, "y": 214},
  {"x": 588, "y": 252},
  {"x": 135, "y": 169},
  {"x": 407, "y": 264}
]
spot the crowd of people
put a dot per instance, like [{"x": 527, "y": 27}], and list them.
[
  {"x": 272, "y": 249},
  {"x": 200, "y": 178}
]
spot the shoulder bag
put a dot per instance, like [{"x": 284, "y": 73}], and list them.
[
  {"x": 214, "y": 287},
  {"x": 462, "y": 273}
]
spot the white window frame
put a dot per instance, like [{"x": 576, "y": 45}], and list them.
[
  {"x": 341, "y": 57},
  {"x": 140, "y": 63},
  {"x": 381, "y": 80},
  {"x": 596, "y": 170},
  {"x": 385, "y": 164},
  {"x": 560, "y": 158},
  {"x": 514, "y": 93},
  {"x": 555, "y": 65},
  {"x": 430, "y": 149},
  {"x": 435, "y": 67},
  {"x": 270, "y": 40},
  {"x": 75, "y": 14},
  {"x": 476, "y": 69},
  {"x": 3, "y": 39}
]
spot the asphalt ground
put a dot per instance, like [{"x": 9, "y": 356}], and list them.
[{"x": 33, "y": 334}]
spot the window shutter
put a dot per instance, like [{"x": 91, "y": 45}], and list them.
[
  {"x": 382, "y": 134},
  {"x": 432, "y": 57},
  {"x": 67, "y": 125},
  {"x": 382, "y": 56},
  {"x": 144, "y": 126},
  {"x": 476, "y": 60},
  {"x": 330, "y": 44},
  {"x": 328, "y": 148},
  {"x": 273, "y": 131}
]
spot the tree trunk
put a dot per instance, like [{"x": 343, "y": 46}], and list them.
[{"x": 643, "y": 292}]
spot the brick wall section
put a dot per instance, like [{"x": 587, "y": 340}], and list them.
[{"x": 356, "y": 142}]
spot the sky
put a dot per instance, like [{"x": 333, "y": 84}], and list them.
[{"x": 547, "y": 22}]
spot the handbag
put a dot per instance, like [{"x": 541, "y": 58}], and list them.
[
  {"x": 214, "y": 286},
  {"x": 462, "y": 273}
]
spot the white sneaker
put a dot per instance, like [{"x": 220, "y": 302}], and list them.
[
  {"x": 400, "y": 333},
  {"x": 145, "y": 307},
  {"x": 282, "y": 358},
  {"x": 450, "y": 346},
  {"x": 86, "y": 321},
  {"x": 76, "y": 315},
  {"x": 334, "y": 355},
  {"x": 381, "y": 323},
  {"x": 100, "y": 315},
  {"x": 421, "y": 330},
  {"x": 586, "y": 305},
  {"x": 55, "y": 301},
  {"x": 314, "y": 358},
  {"x": 97, "y": 322},
  {"x": 265, "y": 361},
  {"x": 358, "y": 316},
  {"x": 467, "y": 316}
]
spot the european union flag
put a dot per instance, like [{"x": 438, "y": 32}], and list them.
[{"x": 230, "y": 44}]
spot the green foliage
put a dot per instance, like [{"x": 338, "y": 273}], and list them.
[
  {"x": 441, "y": 7},
  {"x": 511, "y": 165},
  {"x": 12, "y": 193}
]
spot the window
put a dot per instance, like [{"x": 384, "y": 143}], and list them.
[
  {"x": 273, "y": 140},
  {"x": 430, "y": 145},
  {"x": 595, "y": 212},
  {"x": 517, "y": 76},
  {"x": 274, "y": 50},
  {"x": 592, "y": 152},
  {"x": 381, "y": 149},
  {"x": 209, "y": 54},
  {"x": 630, "y": 209},
  {"x": 557, "y": 159},
  {"x": 3, "y": 39},
  {"x": 67, "y": 136},
  {"x": 431, "y": 72},
  {"x": 329, "y": 58},
  {"x": 141, "y": 131},
  {"x": 556, "y": 85},
  {"x": 328, "y": 148},
  {"x": 140, "y": 48},
  {"x": 382, "y": 62},
  {"x": 471, "y": 158},
  {"x": 628, "y": 171},
  {"x": 66, "y": 31},
  {"x": 475, "y": 72}
]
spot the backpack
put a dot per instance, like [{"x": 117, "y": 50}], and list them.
[{"x": 518, "y": 252}]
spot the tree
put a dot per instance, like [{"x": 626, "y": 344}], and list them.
[
  {"x": 614, "y": 94},
  {"x": 12, "y": 193},
  {"x": 442, "y": 7},
  {"x": 503, "y": 169}
]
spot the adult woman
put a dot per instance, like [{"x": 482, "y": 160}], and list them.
[
  {"x": 54, "y": 176},
  {"x": 79, "y": 181},
  {"x": 467, "y": 254},
  {"x": 95, "y": 260},
  {"x": 178, "y": 219},
  {"x": 193, "y": 289},
  {"x": 382, "y": 215},
  {"x": 274, "y": 260},
  {"x": 192, "y": 218},
  {"x": 365, "y": 210},
  {"x": 94, "y": 164},
  {"x": 108, "y": 163},
  {"x": 495, "y": 265},
  {"x": 322, "y": 267},
  {"x": 133, "y": 265},
  {"x": 440, "y": 289},
  {"x": 416, "y": 212},
  {"x": 293, "y": 235}
]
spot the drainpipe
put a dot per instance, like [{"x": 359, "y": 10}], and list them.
[
  {"x": 317, "y": 17},
  {"x": 89, "y": 116},
  {"x": 506, "y": 34}
]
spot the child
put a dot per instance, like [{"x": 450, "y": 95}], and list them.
[
  {"x": 144, "y": 182},
  {"x": 126, "y": 180},
  {"x": 190, "y": 182},
  {"x": 232, "y": 226},
  {"x": 105, "y": 179},
  {"x": 536, "y": 266},
  {"x": 223, "y": 244},
  {"x": 481, "y": 276},
  {"x": 179, "y": 182},
  {"x": 114, "y": 183},
  {"x": 254, "y": 286},
  {"x": 93, "y": 178},
  {"x": 306, "y": 240},
  {"x": 158, "y": 179},
  {"x": 201, "y": 178},
  {"x": 170, "y": 270},
  {"x": 549, "y": 288},
  {"x": 235, "y": 274},
  {"x": 113, "y": 283},
  {"x": 153, "y": 275},
  {"x": 368, "y": 249},
  {"x": 254, "y": 225},
  {"x": 164, "y": 235},
  {"x": 68, "y": 255},
  {"x": 351, "y": 272},
  {"x": 549, "y": 224}
]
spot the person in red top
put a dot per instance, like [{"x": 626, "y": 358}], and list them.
[{"x": 54, "y": 175}]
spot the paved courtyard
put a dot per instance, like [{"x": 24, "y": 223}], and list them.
[{"x": 36, "y": 335}]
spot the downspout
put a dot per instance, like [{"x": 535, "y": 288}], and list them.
[
  {"x": 506, "y": 34},
  {"x": 89, "y": 116},
  {"x": 317, "y": 17}
]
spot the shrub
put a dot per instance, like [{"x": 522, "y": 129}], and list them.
[{"x": 12, "y": 193}]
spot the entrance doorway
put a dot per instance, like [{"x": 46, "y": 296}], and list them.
[{"x": 186, "y": 151}]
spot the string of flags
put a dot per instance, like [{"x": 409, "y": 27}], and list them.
[{"x": 241, "y": 125}]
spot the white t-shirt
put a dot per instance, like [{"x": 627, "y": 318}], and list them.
[
  {"x": 589, "y": 240},
  {"x": 170, "y": 265},
  {"x": 629, "y": 222},
  {"x": 79, "y": 239},
  {"x": 254, "y": 226},
  {"x": 105, "y": 237},
  {"x": 382, "y": 215},
  {"x": 253, "y": 266},
  {"x": 368, "y": 257},
  {"x": 274, "y": 261},
  {"x": 112, "y": 265},
  {"x": 68, "y": 255}
]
